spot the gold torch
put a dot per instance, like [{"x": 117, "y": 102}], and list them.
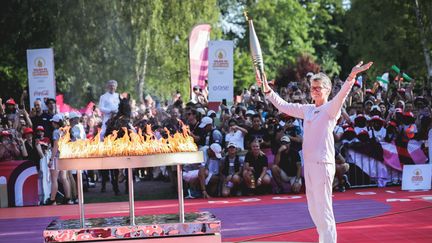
[{"x": 255, "y": 48}]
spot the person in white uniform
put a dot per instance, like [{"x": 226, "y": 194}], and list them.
[
  {"x": 318, "y": 143},
  {"x": 108, "y": 104}
]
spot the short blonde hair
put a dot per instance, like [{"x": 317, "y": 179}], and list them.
[{"x": 325, "y": 80}]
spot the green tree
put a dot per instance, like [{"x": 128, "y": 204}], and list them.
[
  {"x": 280, "y": 28},
  {"x": 385, "y": 32}
]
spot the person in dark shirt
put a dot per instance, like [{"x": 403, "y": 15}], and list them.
[
  {"x": 287, "y": 167},
  {"x": 257, "y": 133},
  {"x": 232, "y": 168},
  {"x": 255, "y": 168},
  {"x": 34, "y": 150}
]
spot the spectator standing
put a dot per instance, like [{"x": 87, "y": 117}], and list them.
[
  {"x": 57, "y": 123},
  {"x": 108, "y": 104}
]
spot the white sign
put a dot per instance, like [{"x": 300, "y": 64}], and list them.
[
  {"x": 40, "y": 67},
  {"x": 416, "y": 177},
  {"x": 221, "y": 71}
]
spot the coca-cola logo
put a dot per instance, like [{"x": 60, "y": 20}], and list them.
[{"x": 43, "y": 93}]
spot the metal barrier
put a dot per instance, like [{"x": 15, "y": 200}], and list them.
[{"x": 368, "y": 172}]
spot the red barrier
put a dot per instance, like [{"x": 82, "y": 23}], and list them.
[{"x": 22, "y": 182}]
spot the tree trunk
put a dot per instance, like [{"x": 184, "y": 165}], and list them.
[
  {"x": 142, "y": 70},
  {"x": 424, "y": 42}
]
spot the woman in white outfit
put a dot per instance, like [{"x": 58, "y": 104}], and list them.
[{"x": 318, "y": 143}]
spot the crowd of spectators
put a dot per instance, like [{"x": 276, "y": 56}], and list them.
[{"x": 249, "y": 146}]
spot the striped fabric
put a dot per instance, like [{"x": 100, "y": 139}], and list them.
[{"x": 198, "y": 54}]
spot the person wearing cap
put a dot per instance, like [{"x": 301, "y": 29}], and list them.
[
  {"x": 360, "y": 123},
  {"x": 57, "y": 123},
  {"x": 287, "y": 167},
  {"x": 208, "y": 133},
  {"x": 77, "y": 129},
  {"x": 205, "y": 176},
  {"x": 77, "y": 133},
  {"x": 109, "y": 104},
  {"x": 377, "y": 131},
  {"x": 367, "y": 107},
  {"x": 318, "y": 143},
  {"x": 11, "y": 113},
  {"x": 391, "y": 132},
  {"x": 231, "y": 170},
  {"x": 236, "y": 134},
  {"x": 32, "y": 147},
  {"x": 192, "y": 118},
  {"x": 375, "y": 111},
  {"x": 48, "y": 115},
  {"x": 9, "y": 148},
  {"x": 255, "y": 168}
]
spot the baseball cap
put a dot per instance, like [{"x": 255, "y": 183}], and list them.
[
  {"x": 10, "y": 102},
  {"x": 201, "y": 110},
  {"x": 5, "y": 133},
  {"x": 375, "y": 107},
  {"x": 408, "y": 114},
  {"x": 40, "y": 128},
  {"x": 369, "y": 102},
  {"x": 205, "y": 121},
  {"x": 27, "y": 130},
  {"x": 74, "y": 114},
  {"x": 250, "y": 112},
  {"x": 349, "y": 129},
  {"x": 57, "y": 118},
  {"x": 210, "y": 112},
  {"x": 285, "y": 139},
  {"x": 217, "y": 149},
  {"x": 392, "y": 123},
  {"x": 231, "y": 144}
]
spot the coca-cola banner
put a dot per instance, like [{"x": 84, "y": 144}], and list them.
[{"x": 40, "y": 66}]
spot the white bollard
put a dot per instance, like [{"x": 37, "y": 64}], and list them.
[{"x": 3, "y": 192}]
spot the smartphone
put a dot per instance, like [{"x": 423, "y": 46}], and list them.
[{"x": 224, "y": 102}]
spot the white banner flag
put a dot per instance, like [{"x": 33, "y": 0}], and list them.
[
  {"x": 221, "y": 71},
  {"x": 40, "y": 66}
]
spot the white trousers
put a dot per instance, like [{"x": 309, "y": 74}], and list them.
[{"x": 319, "y": 180}]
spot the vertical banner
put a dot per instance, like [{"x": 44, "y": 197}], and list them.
[
  {"x": 221, "y": 71},
  {"x": 40, "y": 66},
  {"x": 198, "y": 55}
]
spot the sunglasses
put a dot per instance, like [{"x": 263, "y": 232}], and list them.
[{"x": 317, "y": 88}]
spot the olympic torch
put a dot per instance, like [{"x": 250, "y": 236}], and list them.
[{"x": 255, "y": 49}]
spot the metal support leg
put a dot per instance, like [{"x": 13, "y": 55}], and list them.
[
  {"x": 80, "y": 198},
  {"x": 131, "y": 197},
  {"x": 180, "y": 193}
]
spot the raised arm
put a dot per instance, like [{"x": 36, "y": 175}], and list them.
[
  {"x": 339, "y": 99},
  {"x": 292, "y": 109}
]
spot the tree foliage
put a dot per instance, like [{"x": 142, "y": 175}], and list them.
[{"x": 144, "y": 43}]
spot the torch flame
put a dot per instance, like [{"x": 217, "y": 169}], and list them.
[{"x": 131, "y": 144}]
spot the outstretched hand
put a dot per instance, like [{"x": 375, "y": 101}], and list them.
[
  {"x": 260, "y": 82},
  {"x": 360, "y": 68}
]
